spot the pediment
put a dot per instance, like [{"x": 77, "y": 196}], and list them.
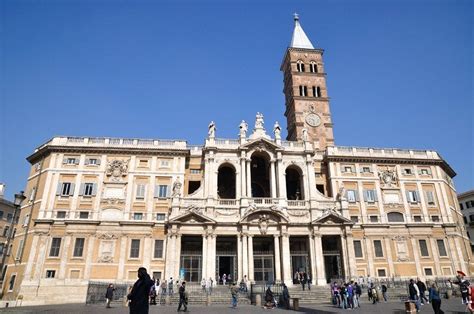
[
  {"x": 331, "y": 217},
  {"x": 261, "y": 144},
  {"x": 192, "y": 216},
  {"x": 276, "y": 211}
]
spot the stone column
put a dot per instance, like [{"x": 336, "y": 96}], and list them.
[
  {"x": 277, "y": 258},
  {"x": 388, "y": 246},
  {"x": 62, "y": 265},
  {"x": 416, "y": 257},
  {"x": 148, "y": 250},
  {"x": 243, "y": 170},
  {"x": 351, "y": 255},
  {"x": 452, "y": 252},
  {"x": 436, "y": 257},
  {"x": 462, "y": 262},
  {"x": 369, "y": 256},
  {"x": 211, "y": 256},
  {"x": 320, "y": 269},
  {"x": 250, "y": 257},
  {"x": 170, "y": 256},
  {"x": 245, "y": 257},
  {"x": 249, "y": 179},
  {"x": 239, "y": 258},
  {"x": 238, "y": 188},
  {"x": 312, "y": 256},
  {"x": 41, "y": 257},
  {"x": 273, "y": 179},
  {"x": 345, "y": 257},
  {"x": 177, "y": 256},
  {"x": 123, "y": 256},
  {"x": 90, "y": 253},
  {"x": 311, "y": 178},
  {"x": 285, "y": 248},
  {"x": 204, "y": 265},
  {"x": 281, "y": 179},
  {"x": 31, "y": 257}
]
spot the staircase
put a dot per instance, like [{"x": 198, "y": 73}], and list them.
[
  {"x": 196, "y": 296},
  {"x": 317, "y": 294}
]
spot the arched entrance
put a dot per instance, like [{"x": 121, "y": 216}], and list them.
[
  {"x": 260, "y": 175},
  {"x": 226, "y": 182},
  {"x": 294, "y": 183}
]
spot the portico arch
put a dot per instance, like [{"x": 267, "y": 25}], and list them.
[
  {"x": 260, "y": 174},
  {"x": 294, "y": 183},
  {"x": 226, "y": 181}
]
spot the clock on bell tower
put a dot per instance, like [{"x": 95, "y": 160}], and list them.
[{"x": 306, "y": 99}]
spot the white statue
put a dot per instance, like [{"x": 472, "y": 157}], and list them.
[
  {"x": 243, "y": 129},
  {"x": 177, "y": 188},
  {"x": 305, "y": 135},
  {"x": 259, "y": 121},
  {"x": 277, "y": 130},
  {"x": 212, "y": 129}
]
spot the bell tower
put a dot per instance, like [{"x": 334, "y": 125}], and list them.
[{"x": 306, "y": 98}]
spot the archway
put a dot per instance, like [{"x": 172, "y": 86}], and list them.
[
  {"x": 226, "y": 182},
  {"x": 260, "y": 175},
  {"x": 294, "y": 183}
]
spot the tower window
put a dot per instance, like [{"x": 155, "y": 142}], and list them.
[
  {"x": 313, "y": 67},
  {"x": 318, "y": 92},
  {"x": 300, "y": 66},
  {"x": 303, "y": 91}
]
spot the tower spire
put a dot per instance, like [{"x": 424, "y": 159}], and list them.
[{"x": 299, "y": 39}]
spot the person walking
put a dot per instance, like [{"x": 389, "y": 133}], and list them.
[
  {"x": 170, "y": 286},
  {"x": 358, "y": 293},
  {"x": 138, "y": 296},
  {"x": 153, "y": 294},
  {"x": 224, "y": 279},
  {"x": 384, "y": 292},
  {"x": 109, "y": 295},
  {"x": 183, "y": 300},
  {"x": 164, "y": 285},
  {"x": 309, "y": 282},
  {"x": 414, "y": 294},
  {"x": 303, "y": 279},
  {"x": 350, "y": 296},
  {"x": 286, "y": 297},
  {"x": 203, "y": 284},
  {"x": 375, "y": 298},
  {"x": 435, "y": 299},
  {"x": 234, "y": 291},
  {"x": 422, "y": 288}
]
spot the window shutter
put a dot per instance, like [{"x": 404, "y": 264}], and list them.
[
  {"x": 429, "y": 171},
  {"x": 408, "y": 196},
  {"x": 58, "y": 188},
  {"x": 98, "y": 162},
  {"x": 430, "y": 197},
  {"x": 365, "y": 196},
  {"x": 375, "y": 196},
  {"x": 168, "y": 191},
  {"x": 157, "y": 191},
  {"x": 94, "y": 189},
  {"x": 76, "y": 161},
  {"x": 71, "y": 190},
  {"x": 370, "y": 168},
  {"x": 356, "y": 193},
  {"x": 416, "y": 196},
  {"x": 86, "y": 162},
  {"x": 81, "y": 190}
]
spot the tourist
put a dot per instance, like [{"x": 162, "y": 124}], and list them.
[
  {"x": 384, "y": 292},
  {"x": 350, "y": 295},
  {"x": 369, "y": 292},
  {"x": 243, "y": 284},
  {"x": 336, "y": 295},
  {"x": 269, "y": 299},
  {"x": 422, "y": 287},
  {"x": 357, "y": 294},
  {"x": 464, "y": 287},
  {"x": 434, "y": 298},
  {"x": 343, "y": 294},
  {"x": 139, "y": 295},
  {"x": 209, "y": 284},
  {"x": 234, "y": 291},
  {"x": 170, "y": 286},
  {"x": 153, "y": 294},
  {"x": 375, "y": 297},
  {"x": 303, "y": 279},
  {"x": 203, "y": 284},
  {"x": 470, "y": 299},
  {"x": 296, "y": 278},
  {"x": 285, "y": 296},
  {"x": 224, "y": 279},
  {"x": 164, "y": 284},
  {"x": 109, "y": 295},
  {"x": 414, "y": 294},
  {"x": 183, "y": 300},
  {"x": 309, "y": 282}
]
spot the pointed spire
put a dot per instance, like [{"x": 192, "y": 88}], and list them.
[{"x": 299, "y": 39}]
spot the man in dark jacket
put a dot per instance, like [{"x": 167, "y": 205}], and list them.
[
  {"x": 139, "y": 294},
  {"x": 285, "y": 297},
  {"x": 109, "y": 295},
  {"x": 183, "y": 300},
  {"x": 422, "y": 287}
]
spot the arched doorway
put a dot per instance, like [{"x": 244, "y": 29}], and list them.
[
  {"x": 260, "y": 175},
  {"x": 294, "y": 183},
  {"x": 226, "y": 182}
]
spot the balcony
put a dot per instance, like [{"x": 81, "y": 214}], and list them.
[{"x": 296, "y": 204}]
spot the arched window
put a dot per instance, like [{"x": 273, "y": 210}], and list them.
[
  {"x": 300, "y": 66},
  {"x": 313, "y": 67},
  {"x": 318, "y": 91},
  {"x": 226, "y": 182},
  {"x": 260, "y": 175},
  {"x": 315, "y": 92},
  {"x": 294, "y": 183},
  {"x": 303, "y": 90},
  {"x": 395, "y": 217}
]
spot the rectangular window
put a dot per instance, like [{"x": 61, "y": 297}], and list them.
[
  {"x": 135, "y": 248},
  {"x": 9, "y": 217},
  {"x": 92, "y": 162},
  {"x": 158, "y": 249},
  {"x": 441, "y": 248},
  {"x": 374, "y": 218},
  {"x": 84, "y": 215},
  {"x": 78, "y": 247},
  {"x": 195, "y": 171},
  {"x": 5, "y": 231},
  {"x": 66, "y": 189},
  {"x": 435, "y": 218},
  {"x": 407, "y": 171},
  {"x": 164, "y": 163},
  {"x": 465, "y": 219},
  {"x": 381, "y": 272},
  {"x": 430, "y": 198},
  {"x": 423, "y": 248},
  {"x": 137, "y": 216},
  {"x": 55, "y": 246},
  {"x": 140, "y": 193},
  {"x": 2, "y": 247},
  {"x": 71, "y": 161},
  {"x": 412, "y": 197},
  {"x": 366, "y": 169},
  {"x": 424, "y": 172},
  {"x": 61, "y": 214},
  {"x": 88, "y": 189},
  {"x": 460, "y": 206},
  {"x": 50, "y": 273},
  {"x": 11, "y": 284},
  {"x": 347, "y": 169},
  {"x": 378, "y": 248},
  {"x": 358, "y": 249},
  {"x": 370, "y": 196},
  {"x": 19, "y": 250},
  {"x": 417, "y": 218},
  {"x": 355, "y": 219},
  {"x": 32, "y": 194},
  {"x": 160, "y": 217},
  {"x": 351, "y": 196},
  {"x": 162, "y": 191},
  {"x": 428, "y": 272}
]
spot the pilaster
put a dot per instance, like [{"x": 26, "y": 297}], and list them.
[
  {"x": 250, "y": 257},
  {"x": 277, "y": 258}
]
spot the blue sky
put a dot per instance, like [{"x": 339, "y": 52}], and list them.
[{"x": 399, "y": 73}]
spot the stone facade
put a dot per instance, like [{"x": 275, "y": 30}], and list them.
[
  {"x": 466, "y": 203},
  {"x": 255, "y": 206}
]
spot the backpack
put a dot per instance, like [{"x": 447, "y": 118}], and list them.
[{"x": 464, "y": 286}]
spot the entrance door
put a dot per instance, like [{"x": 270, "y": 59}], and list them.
[
  {"x": 333, "y": 266},
  {"x": 226, "y": 265},
  {"x": 263, "y": 269},
  {"x": 299, "y": 263},
  {"x": 191, "y": 267}
]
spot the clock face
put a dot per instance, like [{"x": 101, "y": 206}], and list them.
[{"x": 313, "y": 119}]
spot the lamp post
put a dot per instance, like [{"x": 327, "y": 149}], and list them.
[{"x": 19, "y": 198}]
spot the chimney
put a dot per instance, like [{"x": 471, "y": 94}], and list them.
[{"x": 2, "y": 190}]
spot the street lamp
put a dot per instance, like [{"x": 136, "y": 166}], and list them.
[{"x": 19, "y": 198}]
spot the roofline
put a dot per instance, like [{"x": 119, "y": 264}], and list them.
[{"x": 465, "y": 194}]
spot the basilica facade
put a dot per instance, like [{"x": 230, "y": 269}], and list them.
[{"x": 257, "y": 205}]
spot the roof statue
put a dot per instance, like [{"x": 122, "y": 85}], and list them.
[{"x": 299, "y": 39}]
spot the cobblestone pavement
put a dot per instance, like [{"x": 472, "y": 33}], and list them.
[{"x": 452, "y": 306}]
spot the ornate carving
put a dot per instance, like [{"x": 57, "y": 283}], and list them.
[
  {"x": 401, "y": 247},
  {"x": 228, "y": 213},
  {"x": 277, "y": 130},
  {"x": 106, "y": 259},
  {"x": 194, "y": 209},
  {"x": 243, "y": 128},
  {"x": 263, "y": 223},
  {"x": 298, "y": 213},
  {"x": 177, "y": 188},
  {"x": 106, "y": 236},
  {"x": 116, "y": 169},
  {"x": 211, "y": 130},
  {"x": 388, "y": 178}
]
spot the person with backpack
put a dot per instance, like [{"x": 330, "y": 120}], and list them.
[
  {"x": 414, "y": 294},
  {"x": 384, "y": 292},
  {"x": 422, "y": 288}
]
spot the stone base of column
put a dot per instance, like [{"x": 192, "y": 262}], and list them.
[{"x": 321, "y": 282}]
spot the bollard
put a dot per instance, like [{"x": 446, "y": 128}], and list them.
[{"x": 258, "y": 300}]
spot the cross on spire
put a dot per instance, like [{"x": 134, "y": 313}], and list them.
[{"x": 296, "y": 16}]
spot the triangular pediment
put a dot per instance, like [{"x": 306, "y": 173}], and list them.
[
  {"x": 332, "y": 217},
  {"x": 192, "y": 216},
  {"x": 261, "y": 143}
]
